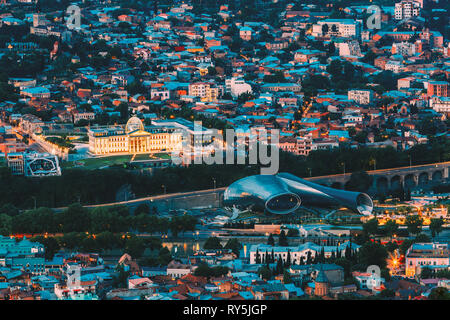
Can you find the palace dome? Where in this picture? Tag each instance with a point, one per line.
(133, 124)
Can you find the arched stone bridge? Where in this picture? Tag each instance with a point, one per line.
(411, 177)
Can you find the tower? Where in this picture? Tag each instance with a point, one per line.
(321, 283)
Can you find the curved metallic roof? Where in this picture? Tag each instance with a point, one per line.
(283, 193)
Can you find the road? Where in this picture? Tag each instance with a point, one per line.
(20, 134)
(171, 196)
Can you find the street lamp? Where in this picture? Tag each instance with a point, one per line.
(164, 187)
(374, 163)
(343, 163)
(215, 194)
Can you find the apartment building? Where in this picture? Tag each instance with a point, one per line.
(406, 9)
(207, 92)
(440, 104)
(437, 88)
(361, 96)
(345, 28)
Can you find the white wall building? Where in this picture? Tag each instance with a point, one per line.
(369, 281)
(360, 96)
(406, 9)
(237, 86)
(346, 28)
(349, 48)
(394, 66)
(440, 104)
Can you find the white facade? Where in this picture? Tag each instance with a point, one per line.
(360, 96)
(345, 28)
(405, 49)
(237, 86)
(440, 104)
(394, 66)
(406, 9)
(350, 48)
(369, 281)
(163, 93)
(83, 116)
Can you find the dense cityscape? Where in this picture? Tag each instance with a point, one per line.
(133, 161)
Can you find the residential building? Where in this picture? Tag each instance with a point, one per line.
(207, 92)
(420, 255)
(361, 96)
(406, 9)
(237, 86)
(437, 88)
(345, 28)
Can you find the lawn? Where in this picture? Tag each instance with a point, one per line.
(96, 163)
(161, 155)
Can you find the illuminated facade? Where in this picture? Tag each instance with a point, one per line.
(432, 255)
(134, 138)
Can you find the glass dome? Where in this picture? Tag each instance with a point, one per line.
(133, 124)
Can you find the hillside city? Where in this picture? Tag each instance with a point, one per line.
(111, 109)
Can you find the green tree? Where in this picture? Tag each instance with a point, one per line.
(164, 256)
(282, 240)
(257, 257)
(372, 253)
(120, 279)
(270, 240)
(135, 246)
(414, 224)
(287, 277)
(436, 226)
(106, 240)
(406, 244)
(371, 226)
(422, 237)
(105, 219)
(265, 273)
(75, 218)
(5, 224)
(346, 264)
(142, 208)
(359, 181)
(51, 245)
(426, 273)
(234, 245)
(391, 228)
(439, 293)
(72, 240)
(212, 243)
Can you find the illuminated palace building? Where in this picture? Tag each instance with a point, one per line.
(134, 138)
(161, 136)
